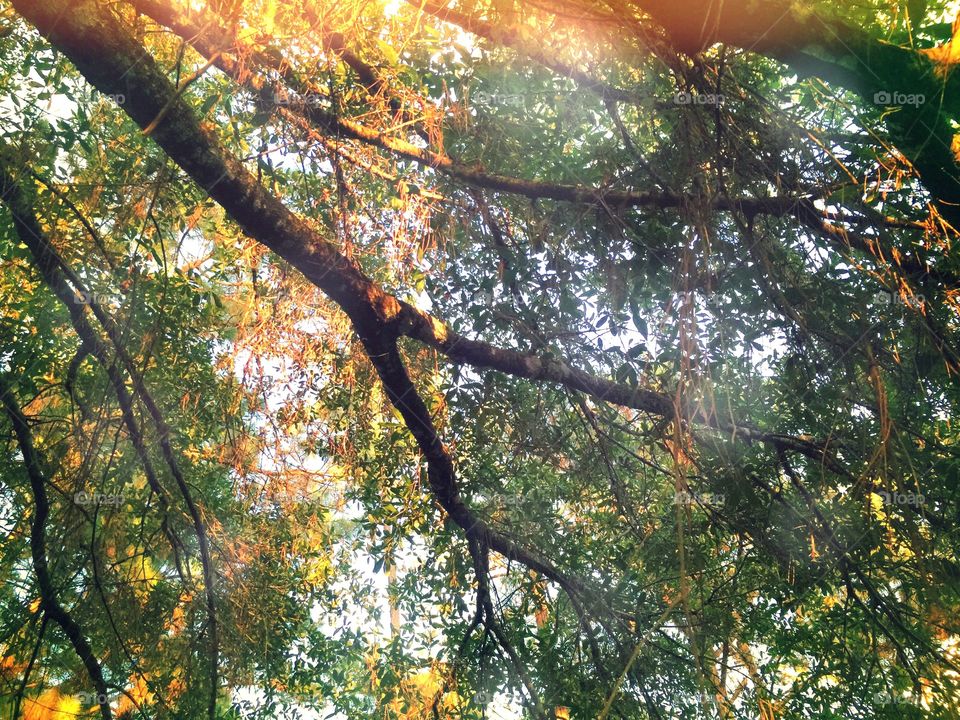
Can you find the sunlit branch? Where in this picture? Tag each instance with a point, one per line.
(208, 37)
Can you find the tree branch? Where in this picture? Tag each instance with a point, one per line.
(55, 274)
(38, 548)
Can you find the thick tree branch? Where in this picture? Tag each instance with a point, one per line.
(116, 64)
(113, 59)
(208, 37)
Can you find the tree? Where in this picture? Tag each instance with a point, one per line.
(396, 360)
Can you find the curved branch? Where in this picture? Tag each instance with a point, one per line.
(208, 37)
(55, 274)
(38, 548)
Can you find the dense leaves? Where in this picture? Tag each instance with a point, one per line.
(679, 306)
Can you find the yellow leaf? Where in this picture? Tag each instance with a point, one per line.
(51, 705)
(269, 16)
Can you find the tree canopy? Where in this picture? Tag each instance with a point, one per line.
(406, 360)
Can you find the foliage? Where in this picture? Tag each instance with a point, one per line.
(743, 244)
